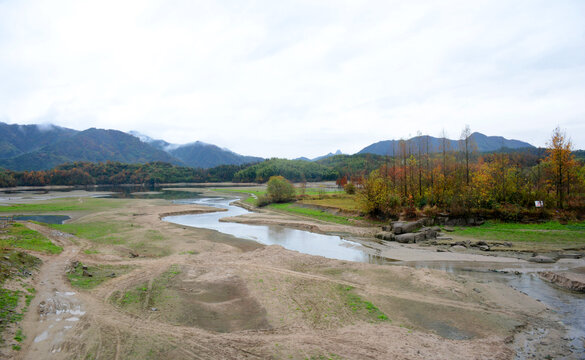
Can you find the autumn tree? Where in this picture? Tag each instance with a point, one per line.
(561, 161)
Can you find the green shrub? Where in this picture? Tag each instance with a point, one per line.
(280, 189)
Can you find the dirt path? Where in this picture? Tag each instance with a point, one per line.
(57, 308)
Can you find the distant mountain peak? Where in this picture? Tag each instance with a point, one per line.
(484, 144)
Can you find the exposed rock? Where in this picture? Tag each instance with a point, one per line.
(436, 228)
(387, 227)
(458, 248)
(571, 281)
(406, 227)
(484, 248)
(449, 228)
(420, 236)
(542, 259)
(385, 235)
(465, 243)
(408, 238)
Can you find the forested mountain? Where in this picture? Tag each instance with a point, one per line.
(199, 154)
(16, 139)
(39, 147)
(93, 145)
(481, 142)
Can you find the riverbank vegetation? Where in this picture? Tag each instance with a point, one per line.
(460, 182)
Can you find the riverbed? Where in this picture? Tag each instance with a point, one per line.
(520, 275)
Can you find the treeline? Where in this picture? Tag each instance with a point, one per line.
(87, 173)
(293, 170)
(461, 180)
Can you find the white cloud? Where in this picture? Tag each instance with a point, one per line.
(296, 78)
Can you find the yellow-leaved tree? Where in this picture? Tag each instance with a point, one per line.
(562, 163)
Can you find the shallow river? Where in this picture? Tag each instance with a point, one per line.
(522, 276)
(333, 247)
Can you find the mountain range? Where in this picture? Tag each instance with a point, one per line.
(426, 143)
(41, 147)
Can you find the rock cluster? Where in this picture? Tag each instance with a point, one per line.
(409, 232)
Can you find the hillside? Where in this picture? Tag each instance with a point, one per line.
(92, 145)
(482, 142)
(16, 139)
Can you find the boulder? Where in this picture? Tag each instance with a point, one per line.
(419, 236)
(484, 248)
(385, 235)
(408, 238)
(387, 227)
(458, 248)
(407, 227)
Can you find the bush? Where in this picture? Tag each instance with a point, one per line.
(263, 200)
(280, 189)
(349, 188)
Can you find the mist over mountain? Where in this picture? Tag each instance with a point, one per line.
(198, 153)
(16, 139)
(482, 143)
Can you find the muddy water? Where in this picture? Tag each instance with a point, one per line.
(333, 247)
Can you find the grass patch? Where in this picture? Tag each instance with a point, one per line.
(99, 274)
(550, 233)
(8, 302)
(312, 213)
(19, 336)
(99, 232)
(65, 204)
(19, 236)
(361, 306)
(15, 264)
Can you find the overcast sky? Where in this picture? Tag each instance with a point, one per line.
(296, 78)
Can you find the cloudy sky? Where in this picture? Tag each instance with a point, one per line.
(296, 78)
